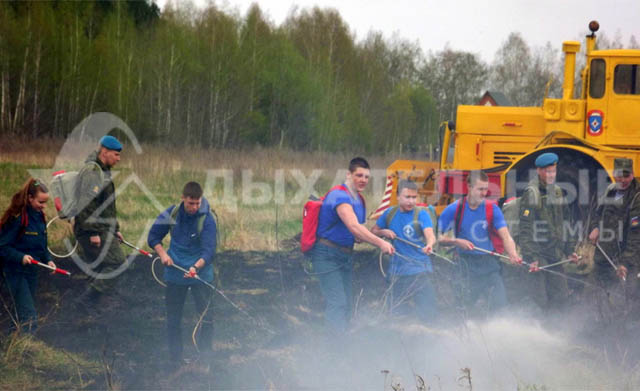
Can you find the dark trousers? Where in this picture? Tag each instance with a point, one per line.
(104, 261)
(334, 270)
(22, 290)
(415, 288)
(175, 296)
(552, 290)
(474, 284)
(618, 299)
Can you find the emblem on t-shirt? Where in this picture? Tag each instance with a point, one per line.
(408, 231)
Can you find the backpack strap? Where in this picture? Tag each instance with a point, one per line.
(416, 218)
(416, 212)
(201, 220)
(344, 188)
(390, 215)
(496, 240)
(457, 217)
(416, 222)
(537, 199)
(488, 211)
(94, 166)
(433, 216)
(173, 216)
(88, 166)
(364, 203)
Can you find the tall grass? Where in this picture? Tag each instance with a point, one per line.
(163, 170)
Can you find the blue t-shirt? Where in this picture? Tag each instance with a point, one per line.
(402, 225)
(330, 226)
(474, 226)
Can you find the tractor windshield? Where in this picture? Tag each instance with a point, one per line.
(626, 79)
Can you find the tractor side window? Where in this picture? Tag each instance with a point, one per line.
(597, 78)
(626, 79)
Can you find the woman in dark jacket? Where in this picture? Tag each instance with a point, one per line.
(23, 238)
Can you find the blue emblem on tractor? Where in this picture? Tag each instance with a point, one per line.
(594, 121)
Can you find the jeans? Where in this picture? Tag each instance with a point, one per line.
(175, 296)
(474, 285)
(22, 288)
(334, 270)
(417, 287)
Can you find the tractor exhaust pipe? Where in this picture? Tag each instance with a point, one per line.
(570, 48)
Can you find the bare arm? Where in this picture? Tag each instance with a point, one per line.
(451, 241)
(509, 245)
(383, 232)
(431, 240)
(359, 231)
(164, 257)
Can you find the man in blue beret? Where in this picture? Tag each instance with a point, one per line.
(96, 226)
(544, 235)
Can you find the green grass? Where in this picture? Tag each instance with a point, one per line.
(27, 363)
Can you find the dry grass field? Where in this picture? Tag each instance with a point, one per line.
(256, 193)
(281, 344)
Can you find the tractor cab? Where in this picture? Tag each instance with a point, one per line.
(613, 98)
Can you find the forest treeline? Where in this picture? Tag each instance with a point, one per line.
(214, 78)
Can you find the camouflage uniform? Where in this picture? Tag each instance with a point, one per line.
(618, 219)
(543, 237)
(96, 195)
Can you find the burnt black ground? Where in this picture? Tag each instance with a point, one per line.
(266, 350)
(129, 332)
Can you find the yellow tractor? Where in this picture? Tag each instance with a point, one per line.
(587, 132)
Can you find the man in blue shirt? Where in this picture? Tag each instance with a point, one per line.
(193, 247)
(410, 267)
(340, 224)
(479, 272)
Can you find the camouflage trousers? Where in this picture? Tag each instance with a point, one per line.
(551, 291)
(102, 262)
(618, 299)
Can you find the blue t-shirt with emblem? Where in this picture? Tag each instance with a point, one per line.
(402, 225)
(330, 226)
(474, 226)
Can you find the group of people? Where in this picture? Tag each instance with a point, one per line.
(473, 226)
(476, 229)
(23, 239)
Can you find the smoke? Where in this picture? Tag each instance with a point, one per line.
(514, 352)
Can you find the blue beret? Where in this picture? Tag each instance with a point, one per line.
(111, 142)
(546, 159)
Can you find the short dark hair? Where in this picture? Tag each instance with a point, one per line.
(192, 190)
(357, 162)
(406, 184)
(475, 176)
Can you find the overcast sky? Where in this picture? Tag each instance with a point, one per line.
(478, 26)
